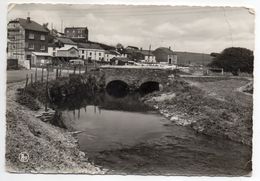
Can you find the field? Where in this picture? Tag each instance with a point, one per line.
(185, 58)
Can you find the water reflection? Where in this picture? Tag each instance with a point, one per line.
(101, 101)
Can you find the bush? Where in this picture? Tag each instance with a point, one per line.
(28, 101)
(234, 59)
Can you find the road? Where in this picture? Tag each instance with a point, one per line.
(17, 75)
(20, 75)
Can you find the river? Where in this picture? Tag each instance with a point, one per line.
(127, 137)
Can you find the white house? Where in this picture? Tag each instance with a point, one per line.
(91, 51)
(109, 54)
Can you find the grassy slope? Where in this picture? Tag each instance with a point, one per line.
(193, 58)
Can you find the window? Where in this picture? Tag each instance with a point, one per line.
(54, 54)
(28, 57)
(82, 56)
(54, 48)
(31, 46)
(42, 37)
(31, 36)
(42, 47)
(90, 53)
(99, 54)
(82, 51)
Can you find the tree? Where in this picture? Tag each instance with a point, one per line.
(234, 59)
(119, 47)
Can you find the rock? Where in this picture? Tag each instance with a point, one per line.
(82, 155)
(174, 118)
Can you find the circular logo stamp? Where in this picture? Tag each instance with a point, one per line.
(23, 157)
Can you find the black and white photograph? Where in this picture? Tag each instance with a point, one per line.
(116, 89)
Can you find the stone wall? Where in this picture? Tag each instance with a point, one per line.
(135, 77)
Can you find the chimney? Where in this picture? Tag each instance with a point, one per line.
(169, 48)
(28, 19)
(141, 48)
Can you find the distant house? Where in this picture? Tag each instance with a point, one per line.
(41, 58)
(91, 51)
(165, 55)
(77, 34)
(26, 36)
(131, 48)
(63, 49)
(147, 56)
(109, 54)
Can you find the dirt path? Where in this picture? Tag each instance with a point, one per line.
(50, 149)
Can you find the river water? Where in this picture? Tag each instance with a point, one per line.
(127, 137)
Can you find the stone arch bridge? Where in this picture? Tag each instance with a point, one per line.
(135, 76)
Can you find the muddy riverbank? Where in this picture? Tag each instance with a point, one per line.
(212, 107)
(51, 149)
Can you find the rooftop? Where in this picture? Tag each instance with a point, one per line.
(28, 24)
(90, 46)
(146, 52)
(165, 50)
(66, 40)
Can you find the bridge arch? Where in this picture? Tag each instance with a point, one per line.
(149, 86)
(117, 88)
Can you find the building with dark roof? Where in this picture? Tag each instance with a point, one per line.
(26, 36)
(77, 34)
(165, 55)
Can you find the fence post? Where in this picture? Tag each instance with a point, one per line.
(74, 69)
(46, 90)
(86, 69)
(26, 80)
(42, 75)
(35, 75)
(57, 72)
(60, 70)
(31, 78)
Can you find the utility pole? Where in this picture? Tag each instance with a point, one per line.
(61, 26)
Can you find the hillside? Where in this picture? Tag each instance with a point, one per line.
(193, 58)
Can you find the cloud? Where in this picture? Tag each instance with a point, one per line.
(199, 29)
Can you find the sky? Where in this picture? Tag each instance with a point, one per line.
(183, 28)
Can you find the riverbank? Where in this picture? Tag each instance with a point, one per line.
(51, 149)
(210, 106)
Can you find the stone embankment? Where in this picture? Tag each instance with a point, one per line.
(211, 108)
